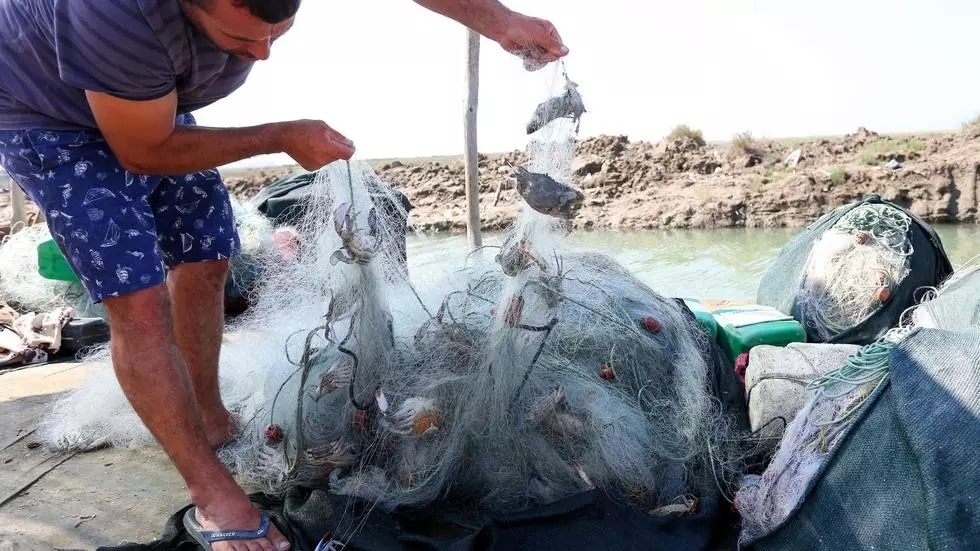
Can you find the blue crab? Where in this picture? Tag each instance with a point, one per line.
(359, 246)
(547, 195)
(568, 105)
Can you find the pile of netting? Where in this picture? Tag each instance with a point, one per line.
(850, 275)
(527, 373)
(841, 440)
(26, 290)
(23, 287)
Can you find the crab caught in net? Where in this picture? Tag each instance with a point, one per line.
(359, 245)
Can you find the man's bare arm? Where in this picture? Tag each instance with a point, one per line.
(145, 140)
(516, 33)
(486, 17)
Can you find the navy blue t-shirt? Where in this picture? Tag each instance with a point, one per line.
(51, 51)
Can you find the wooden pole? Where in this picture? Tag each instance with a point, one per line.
(470, 152)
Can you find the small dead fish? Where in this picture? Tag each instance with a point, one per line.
(568, 105)
(547, 195)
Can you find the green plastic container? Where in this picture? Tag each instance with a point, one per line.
(704, 316)
(743, 327)
(51, 264)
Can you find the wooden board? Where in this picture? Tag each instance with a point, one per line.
(80, 501)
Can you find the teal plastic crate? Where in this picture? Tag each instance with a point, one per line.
(703, 316)
(743, 327)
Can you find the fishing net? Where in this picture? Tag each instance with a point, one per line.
(23, 287)
(835, 441)
(527, 372)
(959, 305)
(849, 276)
(260, 241)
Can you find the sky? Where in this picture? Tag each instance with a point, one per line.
(389, 74)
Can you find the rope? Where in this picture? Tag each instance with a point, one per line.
(885, 224)
(869, 365)
(866, 365)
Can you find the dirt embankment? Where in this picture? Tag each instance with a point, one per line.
(685, 183)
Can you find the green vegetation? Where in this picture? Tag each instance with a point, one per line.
(869, 158)
(838, 176)
(744, 142)
(888, 147)
(685, 131)
(769, 172)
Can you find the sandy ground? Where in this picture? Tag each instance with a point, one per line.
(80, 501)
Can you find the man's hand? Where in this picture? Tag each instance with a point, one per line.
(536, 40)
(313, 144)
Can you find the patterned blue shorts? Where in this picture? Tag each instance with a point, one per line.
(119, 231)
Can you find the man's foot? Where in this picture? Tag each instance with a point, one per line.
(236, 515)
(219, 427)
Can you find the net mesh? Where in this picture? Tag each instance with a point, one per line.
(849, 277)
(23, 287)
(527, 372)
(834, 400)
(853, 268)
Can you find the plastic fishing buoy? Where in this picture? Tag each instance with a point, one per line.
(273, 433)
(607, 373)
(651, 324)
(862, 238)
(883, 294)
(742, 365)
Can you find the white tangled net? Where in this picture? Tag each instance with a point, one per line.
(854, 267)
(526, 373)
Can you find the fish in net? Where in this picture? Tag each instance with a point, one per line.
(524, 379)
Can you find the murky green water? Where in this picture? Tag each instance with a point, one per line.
(724, 263)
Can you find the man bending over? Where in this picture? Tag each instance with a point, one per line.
(96, 99)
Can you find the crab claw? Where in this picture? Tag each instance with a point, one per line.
(338, 453)
(343, 221)
(339, 256)
(416, 416)
(339, 375)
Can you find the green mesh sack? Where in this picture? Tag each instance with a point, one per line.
(902, 471)
(849, 276)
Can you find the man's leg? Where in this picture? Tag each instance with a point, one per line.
(102, 222)
(152, 373)
(197, 236)
(197, 306)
